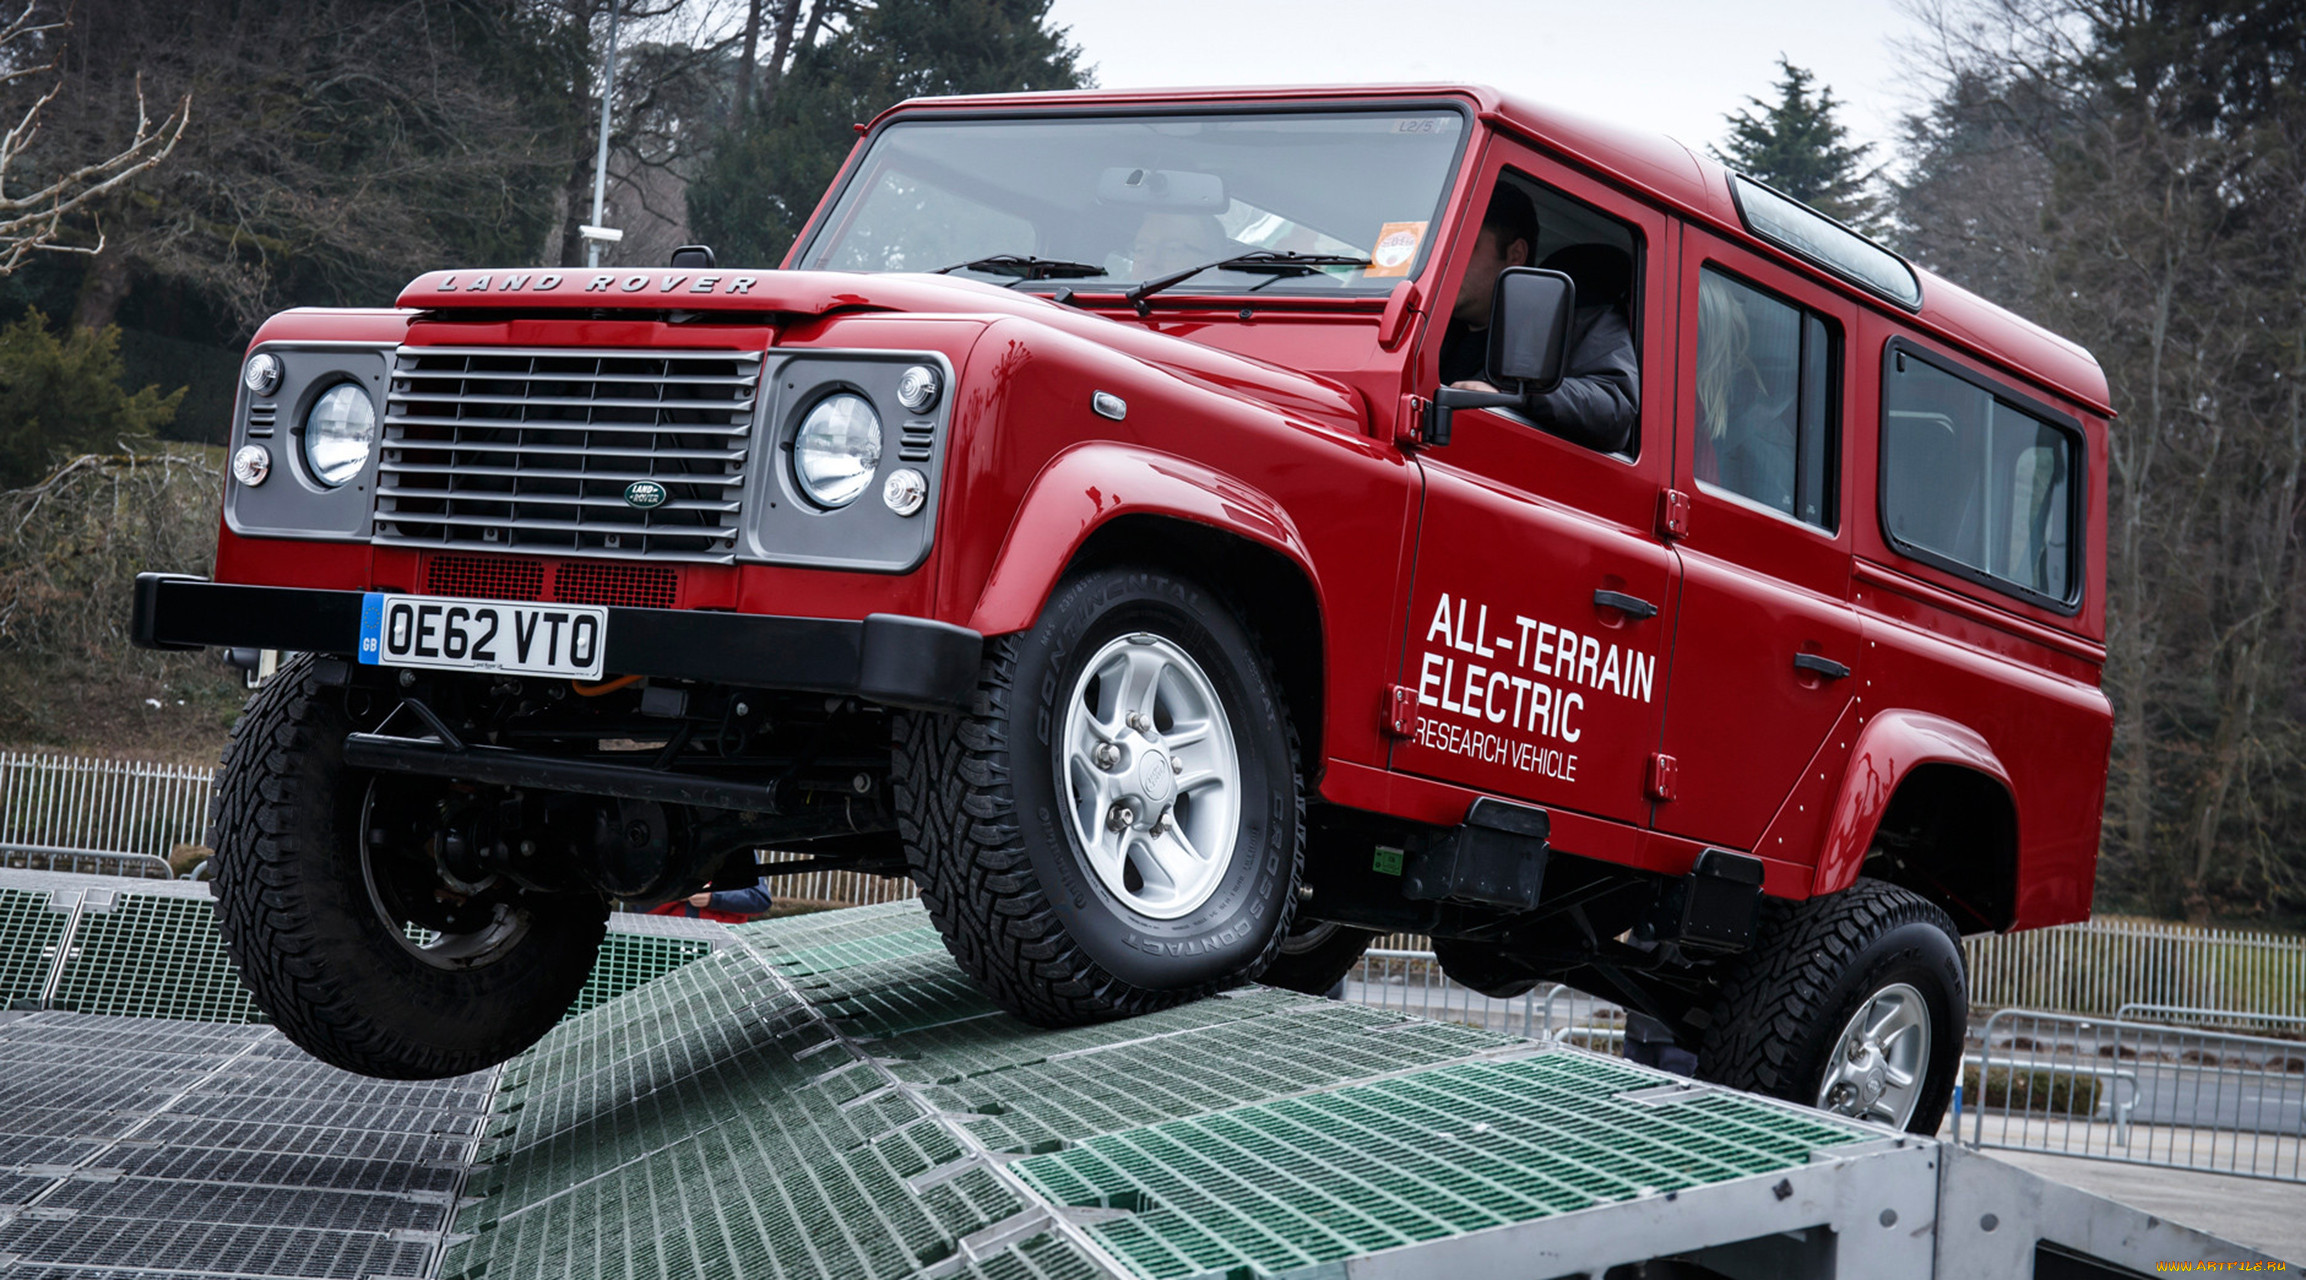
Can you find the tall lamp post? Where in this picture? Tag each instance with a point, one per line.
(595, 235)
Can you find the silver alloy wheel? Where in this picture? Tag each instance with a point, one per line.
(1151, 774)
(504, 930)
(1880, 1058)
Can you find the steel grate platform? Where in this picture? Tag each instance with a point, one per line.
(825, 1096)
(830, 1098)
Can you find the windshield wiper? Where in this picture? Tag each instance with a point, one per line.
(1026, 267)
(1274, 262)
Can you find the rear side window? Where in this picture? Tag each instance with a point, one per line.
(1766, 428)
(1979, 483)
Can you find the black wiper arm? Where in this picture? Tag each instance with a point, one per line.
(1273, 262)
(1026, 267)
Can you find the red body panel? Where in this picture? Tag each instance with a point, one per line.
(1281, 421)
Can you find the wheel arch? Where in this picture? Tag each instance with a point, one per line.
(1926, 804)
(1104, 504)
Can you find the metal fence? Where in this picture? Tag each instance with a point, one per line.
(2097, 967)
(831, 888)
(1411, 982)
(71, 804)
(2138, 1092)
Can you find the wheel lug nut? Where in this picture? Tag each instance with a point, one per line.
(1121, 817)
(1137, 721)
(1176, 766)
(1107, 755)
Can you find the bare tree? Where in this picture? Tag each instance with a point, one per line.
(34, 220)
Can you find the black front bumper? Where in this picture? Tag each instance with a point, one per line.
(901, 661)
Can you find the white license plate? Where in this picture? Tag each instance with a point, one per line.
(483, 635)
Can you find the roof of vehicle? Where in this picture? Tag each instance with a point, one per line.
(1650, 163)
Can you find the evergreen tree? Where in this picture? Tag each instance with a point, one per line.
(1798, 146)
(765, 176)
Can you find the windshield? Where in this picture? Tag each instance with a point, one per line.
(1114, 201)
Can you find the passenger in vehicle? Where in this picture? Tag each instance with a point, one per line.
(1598, 401)
(1745, 434)
(1169, 242)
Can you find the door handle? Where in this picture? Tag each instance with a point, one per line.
(1821, 664)
(1633, 607)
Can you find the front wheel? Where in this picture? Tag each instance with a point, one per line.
(1854, 1003)
(1116, 823)
(343, 923)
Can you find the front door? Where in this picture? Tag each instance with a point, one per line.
(1542, 600)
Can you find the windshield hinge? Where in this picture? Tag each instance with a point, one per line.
(1409, 423)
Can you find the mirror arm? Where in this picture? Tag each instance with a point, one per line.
(1447, 400)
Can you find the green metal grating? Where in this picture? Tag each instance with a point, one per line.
(1418, 1157)
(29, 928)
(153, 957)
(627, 960)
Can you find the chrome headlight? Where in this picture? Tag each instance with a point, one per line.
(339, 433)
(837, 450)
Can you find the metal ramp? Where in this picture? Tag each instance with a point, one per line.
(828, 1096)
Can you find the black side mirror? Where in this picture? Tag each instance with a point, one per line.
(694, 257)
(1529, 327)
(1528, 345)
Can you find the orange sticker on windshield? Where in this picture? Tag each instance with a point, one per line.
(1396, 248)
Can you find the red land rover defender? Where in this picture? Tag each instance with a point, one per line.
(1077, 523)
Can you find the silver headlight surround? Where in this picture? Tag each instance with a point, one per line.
(338, 433)
(836, 449)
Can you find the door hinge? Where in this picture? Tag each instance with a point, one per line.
(1664, 776)
(1673, 514)
(1400, 717)
(1409, 424)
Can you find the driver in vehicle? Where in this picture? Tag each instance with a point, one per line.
(1598, 401)
(1169, 242)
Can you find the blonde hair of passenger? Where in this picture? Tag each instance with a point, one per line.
(1725, 353)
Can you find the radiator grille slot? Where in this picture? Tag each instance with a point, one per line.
(261, 418)
(495, 578)
(536, 449)
(915, 440)
(628, 585)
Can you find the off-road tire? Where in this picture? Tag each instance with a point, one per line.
(1781, 1007)
(995, 861)
(296, 917)
(1316, 958)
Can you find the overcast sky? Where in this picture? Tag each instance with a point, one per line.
(1676, 66)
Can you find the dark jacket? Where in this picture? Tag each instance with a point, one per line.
(1598, 403)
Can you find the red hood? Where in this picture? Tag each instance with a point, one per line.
(793, 297)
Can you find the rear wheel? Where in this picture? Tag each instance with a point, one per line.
(1854, 1003)
(343, 921)
(1115, 824)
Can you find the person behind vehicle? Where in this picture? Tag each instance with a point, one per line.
(1598, 401)
(729, 906)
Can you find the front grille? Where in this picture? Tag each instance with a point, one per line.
(535, 449)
